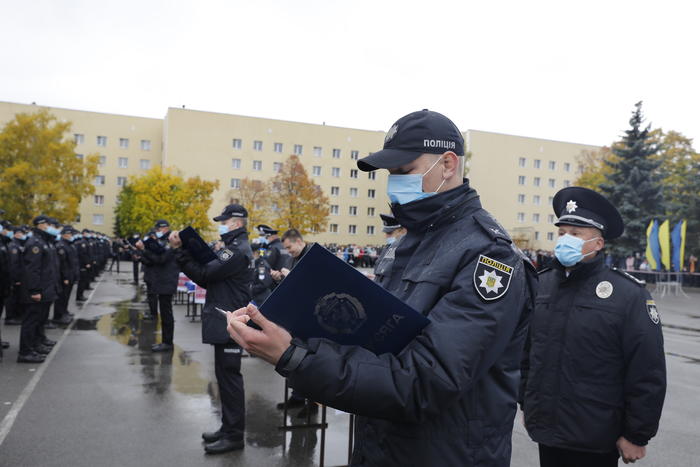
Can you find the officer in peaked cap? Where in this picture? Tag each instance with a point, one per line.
(276, 256)
(393, 231)
(266, 230)
(601, 329)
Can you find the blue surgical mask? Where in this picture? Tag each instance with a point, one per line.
(159, 234)
(30, 234)
(223, 229)
(390, 240)
(569, 249)
(51, 230)
(58, 236)
(23, 237)
(403, 189)
(9, 234)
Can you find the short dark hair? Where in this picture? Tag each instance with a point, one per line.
(292, 235)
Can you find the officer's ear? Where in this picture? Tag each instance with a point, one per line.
(451, 163)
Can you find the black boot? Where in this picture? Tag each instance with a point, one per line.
(224, 445)
(212, 436)
(30, 358)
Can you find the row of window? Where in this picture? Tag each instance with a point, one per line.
(352, 229)
(315, 170)
(535, 218)
(79, 138)
(122, 162)
(537, 163)
(352, 210)
(335, 190)
(537, 181)
(535, 199)
(100, 180)
(298, 149)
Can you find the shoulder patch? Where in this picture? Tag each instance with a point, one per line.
(629, 276)
(492, 228)
(225, 254)
(653, 312)
(491, 278)
(35, 250)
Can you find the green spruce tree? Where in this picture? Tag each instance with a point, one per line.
(634, 184)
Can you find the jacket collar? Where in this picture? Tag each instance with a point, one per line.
(582, 270)
(438, 209)
(230, 236)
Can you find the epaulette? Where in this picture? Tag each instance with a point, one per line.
(629, 276)
(492, 228)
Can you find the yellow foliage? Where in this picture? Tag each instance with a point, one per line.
(592, 168)
(254, 195)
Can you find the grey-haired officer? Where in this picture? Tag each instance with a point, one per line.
(227, 279)
(594, 375)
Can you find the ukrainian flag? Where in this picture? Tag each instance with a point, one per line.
(665, 244)
(678, 241)
(653, 255)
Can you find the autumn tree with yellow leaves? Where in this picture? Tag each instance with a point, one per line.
(254, 195)
(163, 194)
(39, 170)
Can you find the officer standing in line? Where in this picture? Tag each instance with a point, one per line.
(261, 287)
(277, 256)
(594, 378)
(227, 280)
(69, 273)
(163, 284)
(55, 229)
(14, 304)
(84, 260)
(5, 278)
(39, 290)
(449, 397)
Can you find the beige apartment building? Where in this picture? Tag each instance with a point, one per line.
(516, 176)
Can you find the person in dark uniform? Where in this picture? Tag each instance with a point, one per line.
(261, 288)
(227, 280)
(39, 290)
(449, 397)
(393, 231)
(164, 273)
(277, 256)
(85, 262)
(14, 303)
(594, 374)
(6, 234)
(135, 256)
(146, 268)
(69, 270)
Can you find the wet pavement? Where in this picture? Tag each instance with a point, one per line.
(104, 399)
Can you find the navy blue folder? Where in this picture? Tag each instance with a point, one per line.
(325, 297)
(198, 248)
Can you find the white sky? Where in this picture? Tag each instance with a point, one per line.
(561, 70)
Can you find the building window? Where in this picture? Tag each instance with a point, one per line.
(536, 200)
(567, 183)
(536, 218)
(521, 217)
(353, 192)
(521, 162)
(567, 167)
(79, 156)
(257, 165)
(102, 141)
(550, 200)
(521, 199)
(336, 153)
(334, 209)
(316, 170)
(278, 147)
(550, 218)
(318, 151)
(354, 155)
(123, 162)
(276, 167)
(333, 228)
(552, 182)
(521, 179)
(352, 211)
(124, 143)
(235, 183)
(537, 235)
(237, 143)
(236, 163)
(79, 138)
(121, 181)
(537, 163)
(536, 181)
(353, 173)
(372, 175)
(99, 180)
(370, 230)
(98, 219)
(257, 145)
(552, 165)
(352, 229)
(335, 171)
(298, 149)
(145, 164)
(99, 200)
(370, 193)
(145, 144)
(335, 190)
(370, 212)
(102, 160)
(550, 236)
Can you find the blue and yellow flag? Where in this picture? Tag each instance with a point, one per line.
(678, 241)
(665, 244)
(653, 254)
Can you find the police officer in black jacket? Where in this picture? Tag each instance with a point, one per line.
(261, 288)
(594, 377)
(14, 304)
(164, 273)
(82, 246)
(227, 280)
(69, 270)
(39, 290)
(5, 278)
(276, 255)
(449, 397)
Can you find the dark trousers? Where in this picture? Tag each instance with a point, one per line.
(167, 322)
(227, 366)
(33, 320)
(14, 305)
(83, 282)
(135, 266)
(558, 457)
(115, 259)
(60, 307)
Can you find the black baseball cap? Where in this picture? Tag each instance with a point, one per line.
(414, 134)
(232, 210)
(41, 219)
(161, 223)
(582, 207)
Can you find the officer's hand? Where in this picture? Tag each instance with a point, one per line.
(630, 452)
(87, 266)
(174, 239)
(276, 275)
(285, 272)
(36, 297)
(268, 344)
(65, 282)
(17, 284)
(139, 245)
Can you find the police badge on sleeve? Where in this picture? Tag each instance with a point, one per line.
(491, 278)
(653, 312)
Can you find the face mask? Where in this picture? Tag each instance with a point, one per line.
(159, 234)
(403, 189)
(77, 237)
(30, 234)
(569, 249)
(58, 236)
(23, 237)
(9, 234)
(390, 240)
(223, 229)
(51, 230)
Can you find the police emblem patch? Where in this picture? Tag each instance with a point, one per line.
(35, 250)
(225, 254)
(340, 313)
(653, 312)
(604, 289)
(491, 278)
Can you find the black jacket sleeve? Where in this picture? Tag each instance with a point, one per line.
(214, 271)
(645, 375)
(15, 261)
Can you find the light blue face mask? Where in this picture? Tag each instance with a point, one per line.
(9, 233)
(569, 249)
(223, 229)
(159, 234)
(403, 189)
(390, 240)
(51, 230)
